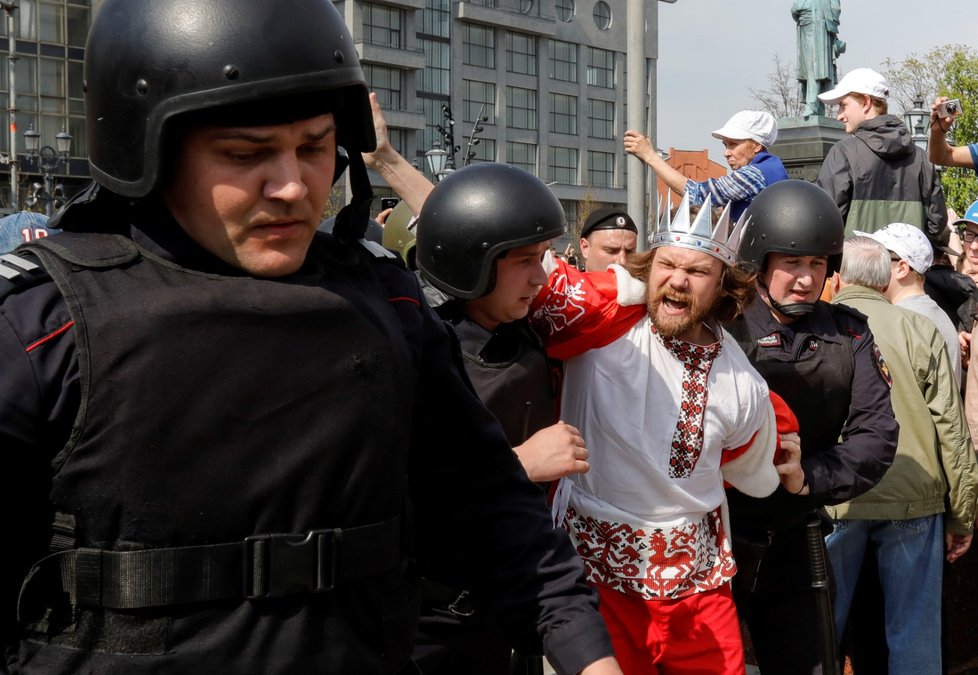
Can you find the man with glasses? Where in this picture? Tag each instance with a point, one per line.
(967, 227)
(746, 138)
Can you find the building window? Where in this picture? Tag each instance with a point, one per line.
(477, 94)
(601, 169)
(479, 46)
(600, 68)
(522, 52)
(435, 77)
(386, 82)
(523, 155)
(524, 6)
(602, 15)
(563, 61)
(565, 10)
(521, 108)
(484, 151)
(435, 19)
(563, 114)
(397, 139)
(562, 164)
(382, 25)
(601, 119)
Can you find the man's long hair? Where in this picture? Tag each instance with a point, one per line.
(736, 285)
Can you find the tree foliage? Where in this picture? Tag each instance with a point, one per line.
(782, 98)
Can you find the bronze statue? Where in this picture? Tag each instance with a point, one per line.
(818, 48)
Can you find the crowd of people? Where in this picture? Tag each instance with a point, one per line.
(240, 439)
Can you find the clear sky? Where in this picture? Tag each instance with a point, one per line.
(712, 52)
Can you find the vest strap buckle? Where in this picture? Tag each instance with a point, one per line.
(282, 564)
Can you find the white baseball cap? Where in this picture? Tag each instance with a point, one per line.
(907, 241)
(858, 81)
(756, 125)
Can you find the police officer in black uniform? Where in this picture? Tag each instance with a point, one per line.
(196, 476)
(823, 361)
(482, 235)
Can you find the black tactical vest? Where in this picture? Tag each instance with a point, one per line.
(518, 388)
(814, 377)
(215, 408)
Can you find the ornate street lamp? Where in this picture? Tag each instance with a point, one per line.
(47, 159)
(917, 120)
(436, 159)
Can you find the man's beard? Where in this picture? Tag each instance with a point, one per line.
(675, 326)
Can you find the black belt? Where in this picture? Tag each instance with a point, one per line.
(261, 566)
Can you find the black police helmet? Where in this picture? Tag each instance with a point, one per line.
(476, 214)
(794, 217)
(247, 61)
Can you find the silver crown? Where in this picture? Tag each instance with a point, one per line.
(721, 242)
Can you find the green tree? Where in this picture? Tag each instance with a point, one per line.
(960, 80)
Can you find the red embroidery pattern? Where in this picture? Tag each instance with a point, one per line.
(656, 563)
(687, 441)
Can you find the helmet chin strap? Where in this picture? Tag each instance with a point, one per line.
(351, 221)
(793, 309)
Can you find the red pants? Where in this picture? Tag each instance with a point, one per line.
(696, 635)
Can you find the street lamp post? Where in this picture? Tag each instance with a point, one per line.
(917, 119)
(441, 159)
(9, 8)
(47, 159)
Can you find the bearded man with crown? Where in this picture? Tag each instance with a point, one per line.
(671, 411)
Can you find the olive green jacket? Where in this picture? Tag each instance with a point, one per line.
(935, 459)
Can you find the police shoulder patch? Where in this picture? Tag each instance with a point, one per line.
(881, 366)
(772, 340)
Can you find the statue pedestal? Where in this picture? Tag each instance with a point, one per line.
(803, 143)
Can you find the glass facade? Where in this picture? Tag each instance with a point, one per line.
(476, 95)
(562, 165)
(521, 108)
(563, 61)
(600, 68)
(386, 82)
(601, 119)
(601, 169)
(523, 155)
(479, 46)
(521, 52)
(382, 25)
(563, 114)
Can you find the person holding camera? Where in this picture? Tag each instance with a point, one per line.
(943, 112)
(746, 138)
(877, 175)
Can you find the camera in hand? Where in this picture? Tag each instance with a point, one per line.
(949, 108)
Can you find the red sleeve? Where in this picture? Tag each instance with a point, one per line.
(577, 311)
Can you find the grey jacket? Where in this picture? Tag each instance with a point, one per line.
(878, 176)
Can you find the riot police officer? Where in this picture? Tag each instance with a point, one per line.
(823, 361)
(482, 236)
(198, 477)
